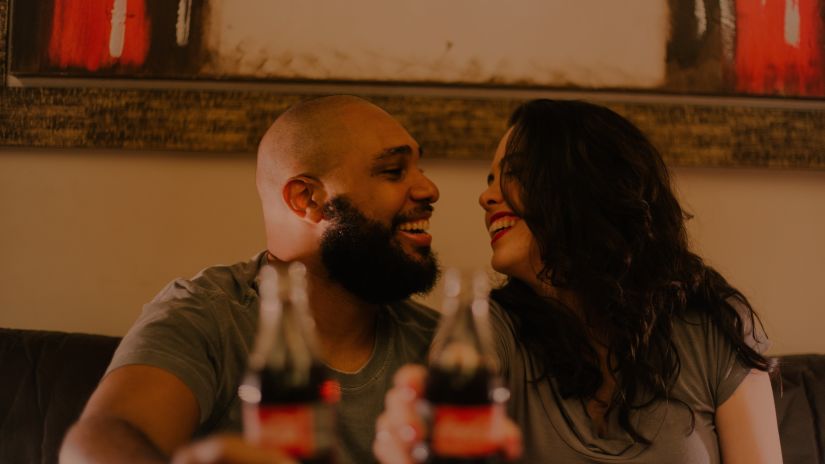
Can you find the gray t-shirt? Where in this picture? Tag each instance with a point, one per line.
(202, 329)
(559, 429)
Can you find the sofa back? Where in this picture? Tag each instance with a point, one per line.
(47, 377)
(799, 394)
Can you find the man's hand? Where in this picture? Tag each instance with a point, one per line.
(400, 427)
(227, 449)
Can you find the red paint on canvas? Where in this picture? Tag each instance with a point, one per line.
(81, 32)
(765, 62)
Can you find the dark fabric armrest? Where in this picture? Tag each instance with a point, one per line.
(799, 394)
(45, 380)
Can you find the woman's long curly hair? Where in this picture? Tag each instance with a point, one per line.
(597, 197)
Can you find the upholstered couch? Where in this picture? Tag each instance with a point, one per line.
(46, 377)
(45, 380)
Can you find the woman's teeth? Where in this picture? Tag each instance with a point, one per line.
(415, 226)
(503, 223)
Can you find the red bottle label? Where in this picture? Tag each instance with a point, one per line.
(299, 430)
(287, 428)
(463, 431)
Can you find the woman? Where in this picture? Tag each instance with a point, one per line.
(617, 342)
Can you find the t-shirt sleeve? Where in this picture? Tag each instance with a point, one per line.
(730, 370)
(176, 332)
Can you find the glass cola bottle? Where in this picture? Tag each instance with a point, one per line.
(462, 381)
(287, 399)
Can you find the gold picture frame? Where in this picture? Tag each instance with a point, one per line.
(451, 122)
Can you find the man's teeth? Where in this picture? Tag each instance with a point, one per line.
(418, 226)
(503, 223)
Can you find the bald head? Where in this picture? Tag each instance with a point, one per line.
(308, 138)
(314, 151)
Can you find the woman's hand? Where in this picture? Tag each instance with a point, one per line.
(400, 429)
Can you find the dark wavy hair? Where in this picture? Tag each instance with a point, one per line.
(597, 197)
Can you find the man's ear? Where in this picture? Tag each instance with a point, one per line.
(305, 197)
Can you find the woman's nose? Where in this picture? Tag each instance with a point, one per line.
(489, 197)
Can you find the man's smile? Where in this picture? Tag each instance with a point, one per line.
(415, 232)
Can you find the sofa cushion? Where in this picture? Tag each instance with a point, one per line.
(47, 377)
(45, 380)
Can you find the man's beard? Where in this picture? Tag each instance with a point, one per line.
(364, 256)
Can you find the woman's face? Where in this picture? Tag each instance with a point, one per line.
(515, 252)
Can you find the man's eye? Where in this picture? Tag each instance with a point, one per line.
(394, 173)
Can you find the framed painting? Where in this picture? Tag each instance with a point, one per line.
(714, 82)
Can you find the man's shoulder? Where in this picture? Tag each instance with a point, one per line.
(233, 281)
(198, 329)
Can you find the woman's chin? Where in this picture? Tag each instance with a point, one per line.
(502, 267)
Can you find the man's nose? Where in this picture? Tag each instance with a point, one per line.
(424, 189)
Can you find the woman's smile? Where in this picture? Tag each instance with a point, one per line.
(500, 223)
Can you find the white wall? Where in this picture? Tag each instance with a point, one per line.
(88, 237)
(765, 231)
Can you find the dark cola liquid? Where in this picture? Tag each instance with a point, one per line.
(451, 386)
(302, 397)
(452, 393)
(283, 386)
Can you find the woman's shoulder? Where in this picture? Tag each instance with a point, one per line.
(703, 326)
(499, 318)
(503, 334)
(710, 367)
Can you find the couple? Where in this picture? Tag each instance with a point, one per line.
(615, 340)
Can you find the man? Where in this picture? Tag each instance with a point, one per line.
(342, 193)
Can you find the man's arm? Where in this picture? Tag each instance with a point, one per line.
(138, 413)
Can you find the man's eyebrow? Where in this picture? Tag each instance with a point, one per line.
(394, 151)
